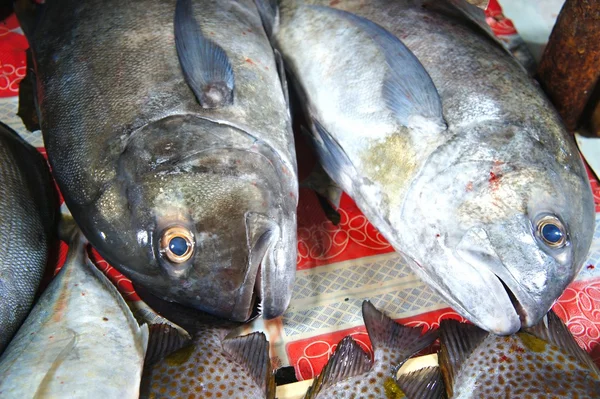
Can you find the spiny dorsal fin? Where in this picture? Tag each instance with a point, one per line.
(384, 333)
(552, 329)
(349, 360)
(205, 65)
(252, 352)
(164, 340)
(408, 89)
(425, 383)
(457, 341)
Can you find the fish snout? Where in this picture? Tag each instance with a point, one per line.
(526, 280)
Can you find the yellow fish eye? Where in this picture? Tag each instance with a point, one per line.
(177, 244)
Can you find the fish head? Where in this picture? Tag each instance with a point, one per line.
(501, 240)
(197, 216)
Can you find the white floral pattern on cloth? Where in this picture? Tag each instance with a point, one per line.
(579, 307)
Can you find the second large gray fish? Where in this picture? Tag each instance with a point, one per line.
(446, 145)
(169, 136)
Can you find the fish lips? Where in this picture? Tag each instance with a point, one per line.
(525, 288)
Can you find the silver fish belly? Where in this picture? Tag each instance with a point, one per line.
(446, 145)
(79, 341)
(192, 195)
(28, 210)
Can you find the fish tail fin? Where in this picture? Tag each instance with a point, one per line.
(348, 361)
(252, 352)
(425, 383)
(457, 340)
(205, 65)
(387, 335)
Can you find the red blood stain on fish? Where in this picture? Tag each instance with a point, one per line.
(83, 294)
(590, 267)
(470, 186)
(249, 61)
(503, 358)
(494, 181)
(438, 235)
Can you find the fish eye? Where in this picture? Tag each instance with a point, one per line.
(551, 231)
(177, 244)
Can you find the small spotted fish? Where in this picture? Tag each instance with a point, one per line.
(212, 365)
(351, 373)
(544, 361)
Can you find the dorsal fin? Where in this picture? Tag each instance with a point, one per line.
(457, 341)
(349, 360)
(252, 352)
(552, 329)
(425, 383)
(163, 340)
(408, 89)
(384, 332)
(205, 65)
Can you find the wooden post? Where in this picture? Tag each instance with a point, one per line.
(570, 67)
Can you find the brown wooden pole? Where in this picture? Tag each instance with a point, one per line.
(570, 66)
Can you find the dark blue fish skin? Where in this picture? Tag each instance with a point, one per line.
(28, 209)
(137, 156)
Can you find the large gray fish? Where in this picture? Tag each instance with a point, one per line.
(170, 138)
(446, 145)
(28, 209)
(79, 341)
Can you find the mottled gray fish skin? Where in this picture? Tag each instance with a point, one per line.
(215, 365)
(462, 189)
(136, 156)
(28, 209)
(79, 341)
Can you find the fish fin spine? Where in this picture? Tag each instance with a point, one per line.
(252, 352)
(385, 333)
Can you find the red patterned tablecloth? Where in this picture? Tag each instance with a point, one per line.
(338, 266)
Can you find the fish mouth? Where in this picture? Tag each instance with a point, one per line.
(513, 306)
(249, 303)
(519, 308)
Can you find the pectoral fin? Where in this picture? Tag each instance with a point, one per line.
(205, 65)
(408, 89)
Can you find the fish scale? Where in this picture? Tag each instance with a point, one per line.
(28, 207)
